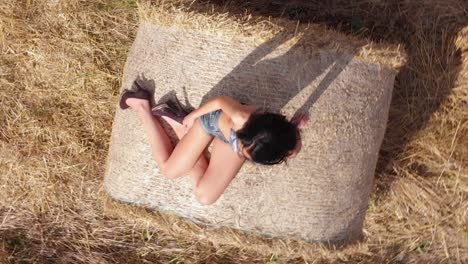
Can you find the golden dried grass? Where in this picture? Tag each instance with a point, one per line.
(60, 69)
(236, 23)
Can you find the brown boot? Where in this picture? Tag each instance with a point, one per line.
(139, 93)
(170, 109)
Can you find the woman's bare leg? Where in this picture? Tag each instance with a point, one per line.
(223, 167)
(199, 169)
(172, 162)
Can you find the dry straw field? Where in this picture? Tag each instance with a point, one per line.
(60, 70)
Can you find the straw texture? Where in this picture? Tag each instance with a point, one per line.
(322, 194)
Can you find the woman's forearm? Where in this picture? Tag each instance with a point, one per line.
(209, 106)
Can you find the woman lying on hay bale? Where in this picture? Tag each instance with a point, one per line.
(239, 132)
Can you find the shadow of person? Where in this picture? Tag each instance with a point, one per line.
(272, 74)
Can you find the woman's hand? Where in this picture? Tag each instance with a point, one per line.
(300, 121)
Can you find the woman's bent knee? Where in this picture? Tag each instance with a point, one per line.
(170, 173)
(203, 198)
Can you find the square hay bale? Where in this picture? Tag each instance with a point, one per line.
(345, 84)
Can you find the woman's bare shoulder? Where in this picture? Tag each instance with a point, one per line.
(240, 117)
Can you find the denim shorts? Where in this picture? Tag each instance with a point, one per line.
(209, 122)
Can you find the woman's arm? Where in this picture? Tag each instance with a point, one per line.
(228, 105)
(225, 103)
